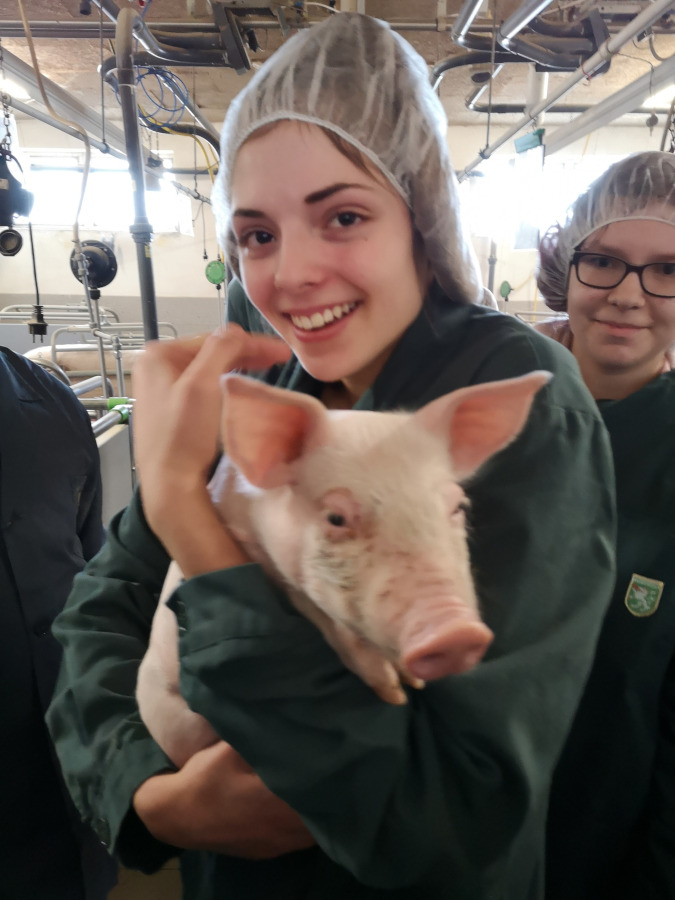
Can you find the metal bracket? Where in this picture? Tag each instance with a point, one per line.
(230, 38)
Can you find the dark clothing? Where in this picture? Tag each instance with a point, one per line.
(441, 799)
(612, 818)
(50, 524)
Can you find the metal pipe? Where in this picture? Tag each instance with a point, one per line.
(464, 20)
(607, 110)
(606, 50)
(34, 113)
(141, 229)
(521, 17)
(89, 30)
(63, 103)
(474, 58)
(119, 414)
(89, 384)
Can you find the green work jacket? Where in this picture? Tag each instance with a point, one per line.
(612, 820)
(444, 798)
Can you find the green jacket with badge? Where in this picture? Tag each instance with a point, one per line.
(442, 798)
(612, 820)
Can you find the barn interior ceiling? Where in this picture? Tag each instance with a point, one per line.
(463, 41)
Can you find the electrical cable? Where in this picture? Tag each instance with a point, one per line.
(100, 49)
(166, 81)
(653, 51)
(32, 255)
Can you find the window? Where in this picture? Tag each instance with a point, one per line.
(55, 179)
(508, 200)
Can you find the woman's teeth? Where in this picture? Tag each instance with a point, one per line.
(321, 319)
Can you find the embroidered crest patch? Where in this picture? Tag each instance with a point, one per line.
(643, 595)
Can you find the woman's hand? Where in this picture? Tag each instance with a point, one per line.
(176, 423)
(216, 802)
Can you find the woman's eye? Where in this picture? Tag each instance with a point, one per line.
(256, 238)
(345, 219)
(600, 262)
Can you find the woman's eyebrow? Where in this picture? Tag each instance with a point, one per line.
(314, 197)
(247, 214)
(324, 193)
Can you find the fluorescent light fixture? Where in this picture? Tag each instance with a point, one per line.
(13, 89)
(662, 98)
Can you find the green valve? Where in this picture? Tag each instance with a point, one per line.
(116, 401)
(215, 271)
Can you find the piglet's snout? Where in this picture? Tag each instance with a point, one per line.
(446, 638)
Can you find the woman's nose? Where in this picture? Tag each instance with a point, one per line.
(299, 262)
(628, 293)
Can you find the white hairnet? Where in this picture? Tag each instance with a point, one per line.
(641, 186)
(353, 76)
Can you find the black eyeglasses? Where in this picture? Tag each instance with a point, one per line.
(598, 270)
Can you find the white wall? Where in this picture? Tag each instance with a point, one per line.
(518, 266)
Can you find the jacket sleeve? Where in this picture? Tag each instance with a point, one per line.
(90, 506)
(455, 781)
(104, 749)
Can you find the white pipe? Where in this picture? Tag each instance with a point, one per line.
(464, 19)
(606, 50)
(519, 19)
(63, 103)
(625, 100)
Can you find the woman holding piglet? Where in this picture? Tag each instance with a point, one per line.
(340, 212)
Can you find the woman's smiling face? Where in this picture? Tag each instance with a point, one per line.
(326, 252)
(623, 330)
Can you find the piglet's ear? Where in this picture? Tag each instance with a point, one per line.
(480, 420)
(265, 429)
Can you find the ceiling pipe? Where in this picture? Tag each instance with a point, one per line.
(473, 58)
(63, 103)
(562, 53)
(606, 50)
(464, 20)
(624, 100)
(202, 47)
(141, 229)
(91, 30)
(30, 110)
(568, 109)
(518, 20)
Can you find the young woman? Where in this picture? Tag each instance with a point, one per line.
(611, 269)
(339, 209)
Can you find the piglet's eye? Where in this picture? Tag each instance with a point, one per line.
(462, 507)
(336, 519)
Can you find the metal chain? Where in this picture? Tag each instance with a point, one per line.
(6, 143)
